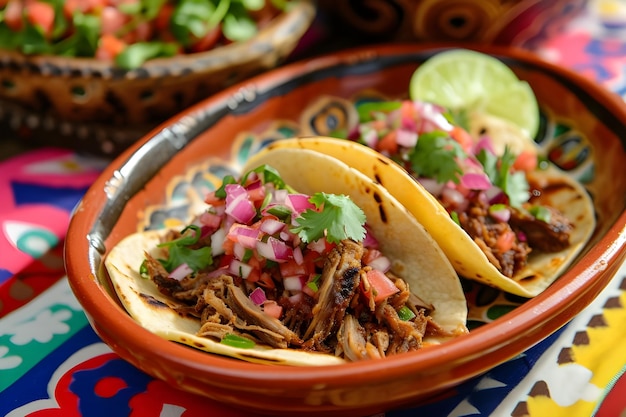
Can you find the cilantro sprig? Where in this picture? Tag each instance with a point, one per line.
(337, 218)
(512, 183)
(181, 251)
(435, 156)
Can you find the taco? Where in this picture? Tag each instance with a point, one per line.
(518, 235)
(302, 261)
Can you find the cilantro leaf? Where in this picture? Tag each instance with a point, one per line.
(337, 218)
(513, 184)
(268, 174)
(180, 251)
(135, 55)
(435, 156)
(366, 110)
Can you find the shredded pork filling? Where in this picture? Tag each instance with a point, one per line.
(528, 232)
(341, 321)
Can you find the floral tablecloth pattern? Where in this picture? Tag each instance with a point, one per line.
(53, 364)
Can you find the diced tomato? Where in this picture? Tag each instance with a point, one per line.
(311, 260)
(225, 261)
(271, 308)
(256, 194)
(505, 241)
(228, 246)
(388, 143)
(463, 137)
(407, 110)
(208, 41)
(213, 200)
(112, 21)
(163, 18)
(381, 286)
(266, 280)
(109, 47)
(142, 33)
(254, 275)
(13, 15)
(83, 6)
(41, 15)
(292, 269)
(526, 161)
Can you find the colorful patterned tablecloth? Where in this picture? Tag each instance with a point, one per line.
(53, 364)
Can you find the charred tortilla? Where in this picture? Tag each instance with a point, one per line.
(414, 254)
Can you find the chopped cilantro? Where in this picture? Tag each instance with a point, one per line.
(143, 270)
(237, 341)
(337, 218)
(367, 110)
(406, 314)
(435, 156)
(314, 283)
(540, 213)
(221, 192)
(455, 217)
(267, 174)
(180, 252)
(513, 184)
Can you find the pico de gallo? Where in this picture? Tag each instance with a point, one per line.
(261, 247)
(129, 32)
(486, 192)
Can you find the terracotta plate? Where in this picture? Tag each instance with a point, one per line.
(154, 183)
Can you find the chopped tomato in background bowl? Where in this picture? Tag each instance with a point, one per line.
(97, 74)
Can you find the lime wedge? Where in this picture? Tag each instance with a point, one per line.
(469, 81)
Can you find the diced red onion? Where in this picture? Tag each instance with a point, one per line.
(279, 196)
(298, 202)
(180, 272)
(521, 236)
(239, 268)
(245, 235)
(233, 191)
(318, 246)
(297, 255)
(274, 250)
(370, 240)
(381, 263)
(292, 283)
(431, 118)
(406, 138)
(475, 181)
(241, 209)
(211, 220)
(495, 195)
(271, 226)
(453, 199)
(431, 185)
(239, 251)
(296, 298)
(483, 143)
(257, 296)
(369, 137)
(287, 236)
(353, 134)
(502, 215)
(217, 241)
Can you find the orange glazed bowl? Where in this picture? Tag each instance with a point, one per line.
(583, 131)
